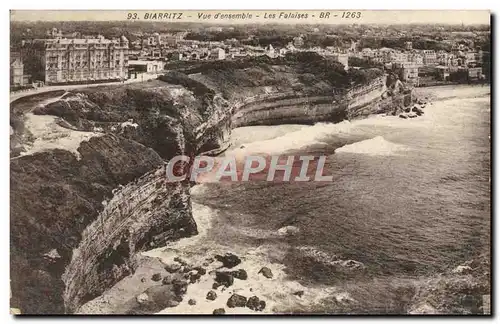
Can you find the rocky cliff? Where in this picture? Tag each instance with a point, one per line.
(77, 221)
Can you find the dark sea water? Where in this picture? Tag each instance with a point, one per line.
(409, 199)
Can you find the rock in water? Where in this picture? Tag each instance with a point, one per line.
(156, 277)
(266, 272)
(288, 230)
(254, 303)
(462, 270)
(228, 260)
(240, 274)
(192, 302)
(211, 295)
(174, 267)
(224, 278)
(299, 293)
(219, 311)
(352, 264)
(236, 301)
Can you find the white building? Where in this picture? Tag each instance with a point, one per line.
(141, 66)
(218, 54)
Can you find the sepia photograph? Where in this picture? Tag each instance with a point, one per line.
(250, 162)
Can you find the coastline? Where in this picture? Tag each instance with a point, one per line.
(254, 259)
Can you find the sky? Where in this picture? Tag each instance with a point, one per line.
(366, 17)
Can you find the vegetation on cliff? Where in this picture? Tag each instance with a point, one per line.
(160, 112)
(305, 73)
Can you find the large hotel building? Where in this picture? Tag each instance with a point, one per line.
(61, 60)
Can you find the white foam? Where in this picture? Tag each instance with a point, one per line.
(305, 136)
(374, 146)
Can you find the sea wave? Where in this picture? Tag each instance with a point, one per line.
(374, 146)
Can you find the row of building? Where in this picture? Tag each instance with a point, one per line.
(79, 60)
(63, 59)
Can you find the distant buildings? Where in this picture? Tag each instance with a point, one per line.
(443, 73)
(218, 54)
(141, 66)
(407, 72)
(429, 57)
(475, 74)
(59, 60)
(17, 76)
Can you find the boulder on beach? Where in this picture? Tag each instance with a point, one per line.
(228, 260)
(173, 267)
(179, 260)
(240, 274)
(236, 301)
(403, 116)
(254, 303)
(211, 295)
(407, 110)
(153, 300)
(192, 302)
(418, 111)
(180, 287)
(224, 278)
(266, 272)
(167, 280)
(156, 277)
(412, 115)
(193, 276)
(219, 311)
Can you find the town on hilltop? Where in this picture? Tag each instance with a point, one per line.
(454, 54)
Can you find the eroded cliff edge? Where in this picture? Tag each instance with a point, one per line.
(79, 220)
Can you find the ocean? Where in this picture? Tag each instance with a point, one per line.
(410, 198)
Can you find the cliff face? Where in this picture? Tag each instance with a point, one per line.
(144, 214)
(54, 197)
(79, 219)
(77, 224)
